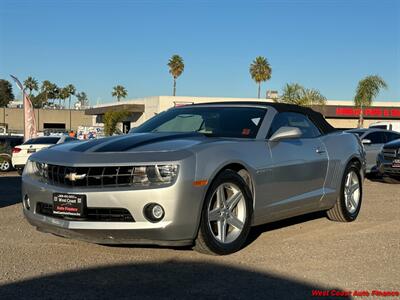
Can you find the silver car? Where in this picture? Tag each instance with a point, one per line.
(373, 140)
(197, 175)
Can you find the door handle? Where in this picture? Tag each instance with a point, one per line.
(320, 151)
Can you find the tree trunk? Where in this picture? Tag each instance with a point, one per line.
(174, 91)
(69, 108)
(361, 117)
(259, 90)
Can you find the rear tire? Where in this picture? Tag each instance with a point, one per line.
(348, 204)
(226, 215)
(5, 166)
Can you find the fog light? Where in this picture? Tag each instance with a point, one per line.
(27, 202)
(154, 212)
(157, 212)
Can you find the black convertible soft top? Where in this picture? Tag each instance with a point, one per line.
(317, 118)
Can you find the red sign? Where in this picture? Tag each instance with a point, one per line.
(368, 112)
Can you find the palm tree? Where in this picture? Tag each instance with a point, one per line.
(260, 71)
(71, 91)
(82, 99)
(294, 93)
(31, 84)
(176, 67)
(120, 92)
(291, 93)
(367, 89)
(312, 97)
(50, 90)
(64, 94)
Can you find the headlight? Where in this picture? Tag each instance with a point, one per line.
(34, 168)
(154, 175)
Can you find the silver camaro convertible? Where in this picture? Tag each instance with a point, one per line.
(197, 175)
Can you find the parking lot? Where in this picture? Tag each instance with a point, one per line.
(284, 259)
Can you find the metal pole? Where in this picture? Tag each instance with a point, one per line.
(23, 110)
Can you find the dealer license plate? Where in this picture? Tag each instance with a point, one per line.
(396, 163)
(69, 204)
(31, 150)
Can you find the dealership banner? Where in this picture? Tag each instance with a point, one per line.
(29, 114)
(352, 112)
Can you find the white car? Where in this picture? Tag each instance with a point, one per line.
(21, 153)
(388, 125)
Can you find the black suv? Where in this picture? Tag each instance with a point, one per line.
(7, 142)
(388, 161)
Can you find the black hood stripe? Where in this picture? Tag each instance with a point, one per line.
(130, 141)
(85, 146)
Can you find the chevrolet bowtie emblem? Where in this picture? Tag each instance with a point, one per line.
(74, 176)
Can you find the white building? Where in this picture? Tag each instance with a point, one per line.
(341, 114)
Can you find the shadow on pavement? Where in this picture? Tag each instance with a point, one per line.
(176, 280)
(255, 232)
(382, 179)
(10, 190)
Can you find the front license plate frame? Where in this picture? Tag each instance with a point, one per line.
(65, 204)
(396, 163)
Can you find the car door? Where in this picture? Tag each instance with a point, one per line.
(373, 143)
(299, 166)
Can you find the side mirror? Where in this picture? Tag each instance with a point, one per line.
(286, 133)
(366, 142)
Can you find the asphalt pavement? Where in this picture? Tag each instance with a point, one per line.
(286, 259)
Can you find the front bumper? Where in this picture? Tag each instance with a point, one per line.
(385, 166)
(182, 203)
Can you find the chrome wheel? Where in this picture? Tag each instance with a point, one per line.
(4, 166)
(352, 192)
(226, 213)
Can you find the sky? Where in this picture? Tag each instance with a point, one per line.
(324, 44)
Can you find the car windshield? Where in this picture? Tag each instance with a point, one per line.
(237, 122)
(378, 126)
(42, 140)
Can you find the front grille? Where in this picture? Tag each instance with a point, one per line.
(92, 214)
(390, 154)
(90, 176)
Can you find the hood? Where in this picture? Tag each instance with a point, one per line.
(392, 145)
(139, 142)
(140, 147)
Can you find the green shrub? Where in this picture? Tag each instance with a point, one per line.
(111, 119)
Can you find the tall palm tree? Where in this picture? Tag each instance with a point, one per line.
(176, 67)
(50, 90)
(367, 90)
(64, 94)
(31, 84)
(71, 91)
(260, 71)
(120, 92)
(83, 99)
(294, 93)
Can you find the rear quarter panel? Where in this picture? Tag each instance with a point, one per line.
(342, 147)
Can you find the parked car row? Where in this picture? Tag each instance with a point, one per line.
(374, 140)
(14, 153)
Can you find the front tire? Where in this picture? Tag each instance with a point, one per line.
(226, 215)
(348, 204)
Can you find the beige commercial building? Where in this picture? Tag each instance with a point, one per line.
(12, 119)
(340, 114)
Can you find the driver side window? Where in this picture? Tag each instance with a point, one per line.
(292, 119)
